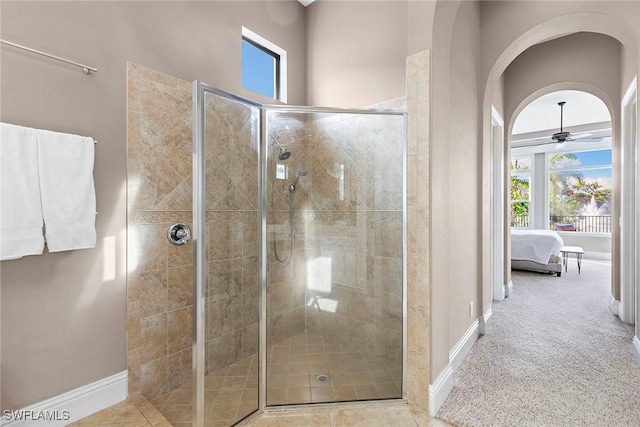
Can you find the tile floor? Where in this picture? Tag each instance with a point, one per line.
(128, 414)
(231, 393)
(294, 367)
(136, 411)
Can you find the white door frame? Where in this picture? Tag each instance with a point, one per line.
(497, 206)
(629, 224)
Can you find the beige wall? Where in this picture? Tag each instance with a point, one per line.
(511, 27)
(356, 52)
(67, 310)
(536, 69)
(464, 169)
(109, 34)
(455, 258)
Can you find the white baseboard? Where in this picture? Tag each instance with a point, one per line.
(508, 289)
(601, 256)
(72, 405)
(440, 389)
(635, 350)
(614, 305)
(462, 347)
(483, 321)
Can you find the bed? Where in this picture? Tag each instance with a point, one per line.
(536, 250)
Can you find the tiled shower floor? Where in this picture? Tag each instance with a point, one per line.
(293, 367)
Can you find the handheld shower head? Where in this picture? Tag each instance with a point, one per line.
(301, 173)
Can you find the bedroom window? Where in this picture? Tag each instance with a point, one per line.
(580, 191)
(520, 191)
(264, 66)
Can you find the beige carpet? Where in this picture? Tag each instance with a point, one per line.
(554, 355)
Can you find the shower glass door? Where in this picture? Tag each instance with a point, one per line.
(335, 255)
(300, 254)
(227, 365)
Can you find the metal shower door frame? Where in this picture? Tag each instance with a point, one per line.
(199, 90)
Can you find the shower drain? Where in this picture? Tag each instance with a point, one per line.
(322, 378)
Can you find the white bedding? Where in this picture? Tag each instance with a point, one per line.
(535, 245)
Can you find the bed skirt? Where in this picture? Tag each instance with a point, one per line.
(554, 266)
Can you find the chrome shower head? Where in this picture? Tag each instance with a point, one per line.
(284, 153)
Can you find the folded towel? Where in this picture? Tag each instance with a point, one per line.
(20, 206)
(67, 190)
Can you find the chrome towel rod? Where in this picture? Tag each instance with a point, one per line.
(85, 68)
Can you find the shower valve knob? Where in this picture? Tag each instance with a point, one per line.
(179, 234)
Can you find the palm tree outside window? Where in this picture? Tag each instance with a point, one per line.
(580, 191)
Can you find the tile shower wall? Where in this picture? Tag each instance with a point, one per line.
(231, 180)
(348, 215)
(160, 281)
(159, 303)
(418, 223)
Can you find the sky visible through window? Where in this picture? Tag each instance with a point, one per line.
(589, 159)
(258, 70)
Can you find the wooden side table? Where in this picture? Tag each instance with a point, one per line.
(566, 250)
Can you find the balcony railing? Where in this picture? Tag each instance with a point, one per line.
(582, 223)
(520, 220)
(577, 223)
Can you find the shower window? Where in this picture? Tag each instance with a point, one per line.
(263, 66)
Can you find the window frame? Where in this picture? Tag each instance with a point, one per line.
(549, 171)
(524, 173)
(275, 51)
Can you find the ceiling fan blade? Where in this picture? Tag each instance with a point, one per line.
(532, 143)
(594, 140)
(579, 136)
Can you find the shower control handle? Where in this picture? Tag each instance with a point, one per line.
(179, 233)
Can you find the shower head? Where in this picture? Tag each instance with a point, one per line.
(284, 153)
(301, 173)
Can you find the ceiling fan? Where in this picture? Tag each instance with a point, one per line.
(558, 137)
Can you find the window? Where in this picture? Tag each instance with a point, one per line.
(520, 191)
(263, 66)
(580, 191)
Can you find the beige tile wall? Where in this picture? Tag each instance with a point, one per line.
(349, 251)
(231, 174)
(159, 284)
(418, 221)
(159, 277)
(160, 281)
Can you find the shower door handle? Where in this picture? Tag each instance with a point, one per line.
(179, 234)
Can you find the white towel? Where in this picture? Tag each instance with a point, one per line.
(20, 207)
(67, 190)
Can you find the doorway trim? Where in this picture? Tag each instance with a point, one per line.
(498, 291)
(629, 224)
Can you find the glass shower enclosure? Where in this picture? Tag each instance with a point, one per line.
(299, 237)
